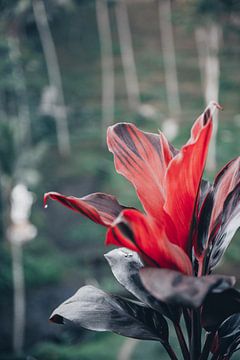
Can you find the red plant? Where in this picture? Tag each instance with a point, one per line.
(186, 226)
(170, 187)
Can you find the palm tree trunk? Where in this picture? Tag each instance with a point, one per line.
(208, 43)
(127, 54)
(54, 75)
(169, 58)
(107, 63)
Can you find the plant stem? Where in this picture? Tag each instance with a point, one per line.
(218, 356)
(169, 350)
(215, 356)
(187, 320)
(207, 346)
(195, 346)
(182, 342)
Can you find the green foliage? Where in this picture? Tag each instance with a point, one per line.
(5, 271)
(217, 7)
(87, 351)
(43, 263)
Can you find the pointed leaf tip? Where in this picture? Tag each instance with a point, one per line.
(218, 106)
(57, 319)
(209, 111)
(214, 105)
(45, 199)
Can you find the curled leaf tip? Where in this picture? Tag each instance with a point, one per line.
(45, 199)
(218, 106)
(215, 104)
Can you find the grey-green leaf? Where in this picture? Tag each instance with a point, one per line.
(93, 309)
(125, 265)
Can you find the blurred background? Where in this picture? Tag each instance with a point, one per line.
(68, 70)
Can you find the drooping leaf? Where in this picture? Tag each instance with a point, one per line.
(125, 265)
(99, 207)
(229, 336)
(94, 309)
(227, 224)
(218, 306)
(175, 288)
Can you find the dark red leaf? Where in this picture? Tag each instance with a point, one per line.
(100, 208)
(203, 223)
(227, 224)
(173, 287)
(224, 184)
(229, 336)
(216, 212)
(218, 306)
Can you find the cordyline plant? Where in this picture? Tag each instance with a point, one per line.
(168, 252)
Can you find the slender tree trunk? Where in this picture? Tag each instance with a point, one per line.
(169, 58)
(127, 54)
(19, 298)
(5, 193)
(4, 203)
(208, 43)
(54, 74)
(23, 134)
(107, 62)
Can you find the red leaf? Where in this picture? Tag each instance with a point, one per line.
(143, 159)
(100, 208)
(141, 234)
(183, 179)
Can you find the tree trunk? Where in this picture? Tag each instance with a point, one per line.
(19, 298)
(54, 75)
(127, 54)
(169, 59)
(107, 63)
(23, 126)
(208, 43)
